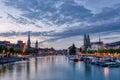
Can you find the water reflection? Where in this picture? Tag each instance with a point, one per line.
(88, 71)
(106, 71)
(36, 65)
(28, 70)
(56, 68)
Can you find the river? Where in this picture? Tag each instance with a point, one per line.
(56, 68)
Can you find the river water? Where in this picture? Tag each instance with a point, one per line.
(56, 68)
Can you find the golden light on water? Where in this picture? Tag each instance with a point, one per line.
(79, 64)
(106, 71)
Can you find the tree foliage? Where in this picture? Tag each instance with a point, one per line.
(72, 50)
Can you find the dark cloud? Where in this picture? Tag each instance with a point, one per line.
(39, 9)
(66, 13)
(35, 34)
(106, 14)
(22, 20)
(71, 32)
(8, 34)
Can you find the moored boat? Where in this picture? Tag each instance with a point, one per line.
(110, 64)
(74, 58)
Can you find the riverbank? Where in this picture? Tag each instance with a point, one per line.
(101, 55)
(13, 58)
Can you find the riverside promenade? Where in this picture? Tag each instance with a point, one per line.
(9, 59)
(116, 55)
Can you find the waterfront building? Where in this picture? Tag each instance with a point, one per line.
(88, 45)
(97, 45)
(16, 46)
(46, 51)
(5, 43)
(114, 45)
(19, 46)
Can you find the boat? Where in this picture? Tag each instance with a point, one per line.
(110, 64)
(88, 59)
(74, 58)
(118, 61)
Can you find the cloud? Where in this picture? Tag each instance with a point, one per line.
(61, 19)
(51, 10)
(22, 20)
(35, 34)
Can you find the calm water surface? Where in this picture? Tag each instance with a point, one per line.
(56, 68)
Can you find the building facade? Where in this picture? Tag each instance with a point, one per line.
(97, 46)
(18, 46)
(114, 45)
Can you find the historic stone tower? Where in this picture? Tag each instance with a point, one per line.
(28, 41)
(86, 41)
(36, 44)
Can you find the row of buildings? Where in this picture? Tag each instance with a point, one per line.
(20, 45)
(98, 45)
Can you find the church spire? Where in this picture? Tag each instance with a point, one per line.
(85, 39)
(29, 42)
(88, 40)
(36, 44)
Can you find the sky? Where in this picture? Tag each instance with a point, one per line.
(59, 23)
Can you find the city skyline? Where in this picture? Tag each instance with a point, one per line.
(59, 23)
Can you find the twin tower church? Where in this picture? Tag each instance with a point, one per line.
(88, 45)
(29, 42)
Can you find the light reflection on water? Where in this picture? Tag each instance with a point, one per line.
(106, 71)
(56, 68)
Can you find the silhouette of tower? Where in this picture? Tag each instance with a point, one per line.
(86, 41)
(29, 42)
(36, 44)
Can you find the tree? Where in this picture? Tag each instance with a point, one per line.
(118, 51)
(111, 51)
(18, 51)
(11, 50)
(90, 52)
(103, 51)
(72, 50)
(1, 49)
(5, 50)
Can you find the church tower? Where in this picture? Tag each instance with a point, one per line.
(85, 39)
(88, 40)
(87, 43)
(36, 44)
(29, 42)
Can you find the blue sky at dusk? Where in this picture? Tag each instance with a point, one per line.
(59, 23)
